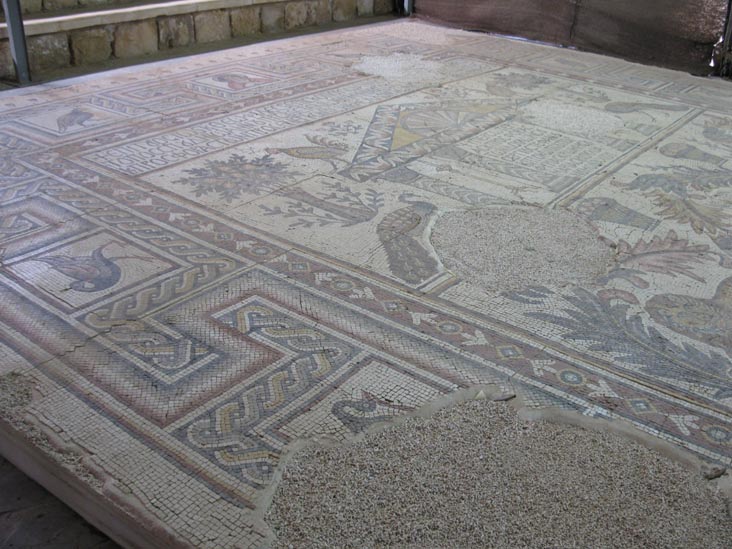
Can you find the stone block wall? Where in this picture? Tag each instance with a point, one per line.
(33, 7)
(136, 39)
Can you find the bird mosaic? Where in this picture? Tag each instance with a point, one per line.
(76, 117)
(400, 233)
(321, 149)
(91, 273)
(686, 151)
(706, 320)
(611, 211)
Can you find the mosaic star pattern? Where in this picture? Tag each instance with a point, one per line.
(205, 260)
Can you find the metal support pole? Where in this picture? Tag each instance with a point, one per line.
(725, 65)
(405, 7)
(16, 33)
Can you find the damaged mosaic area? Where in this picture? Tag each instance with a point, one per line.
(519, 483)
(205, 261)
(512, 248)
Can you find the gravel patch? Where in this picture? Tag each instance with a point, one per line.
(16, 391)
(511, 248)
(476, 475)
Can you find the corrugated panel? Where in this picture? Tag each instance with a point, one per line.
(673, 33)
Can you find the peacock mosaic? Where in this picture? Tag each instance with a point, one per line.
(199, 272)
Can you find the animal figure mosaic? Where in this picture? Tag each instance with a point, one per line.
(706, 320)
(91, 273)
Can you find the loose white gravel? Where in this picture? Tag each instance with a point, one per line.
(511, 248)
(476, 475)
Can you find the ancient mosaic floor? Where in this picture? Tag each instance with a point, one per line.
(205, 260)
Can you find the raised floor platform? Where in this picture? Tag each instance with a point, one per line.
(208, 261)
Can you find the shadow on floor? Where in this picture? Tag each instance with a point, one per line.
(30, 516)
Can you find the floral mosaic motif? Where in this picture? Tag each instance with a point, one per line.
(231, 178)
(670, 255)
(337, 205)
(702, 217)
(706, 320)
(602, 326)
(682, 195)
(533, 295)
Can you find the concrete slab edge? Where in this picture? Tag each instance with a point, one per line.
(110, 511)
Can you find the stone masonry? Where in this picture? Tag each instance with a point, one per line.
(135, 39)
